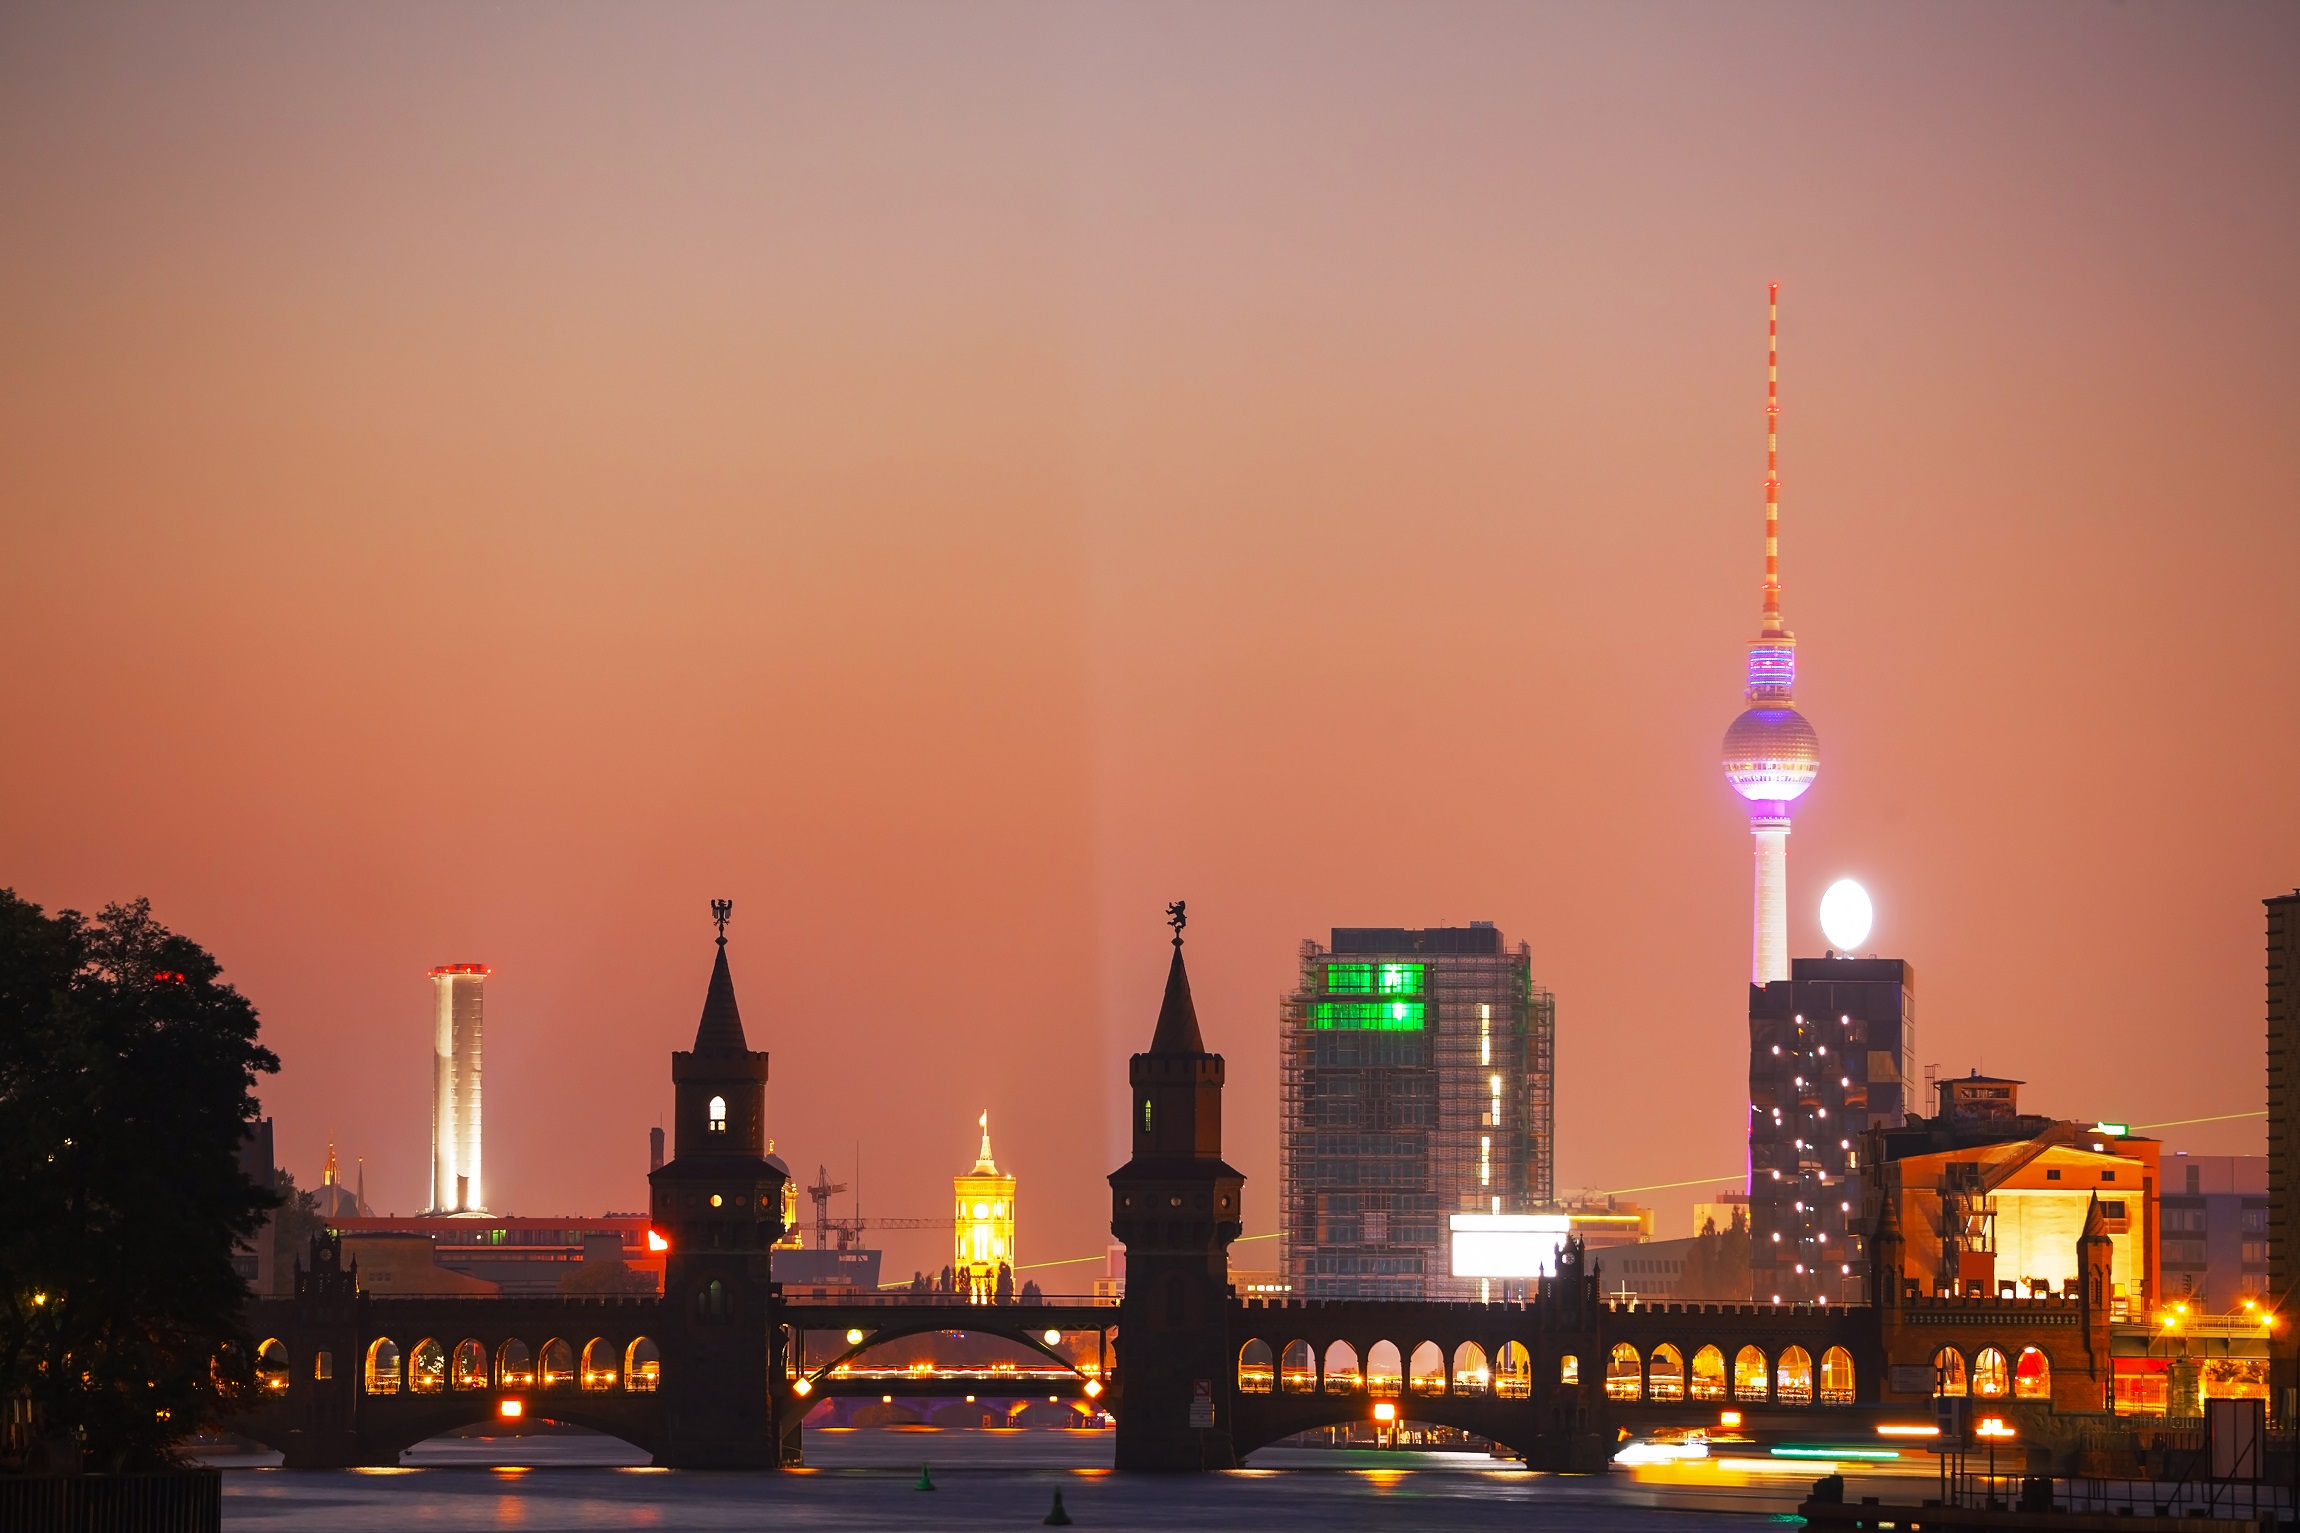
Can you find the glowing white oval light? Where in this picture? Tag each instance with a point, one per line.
(1846, 914)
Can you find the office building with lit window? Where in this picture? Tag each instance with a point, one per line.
(1829, 1053)
(1415, 1073)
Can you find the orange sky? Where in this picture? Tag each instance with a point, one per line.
(480, 483)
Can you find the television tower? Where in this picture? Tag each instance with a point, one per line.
(1771, 753)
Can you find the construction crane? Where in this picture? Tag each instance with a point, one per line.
(848, 1230)
(821, 1192)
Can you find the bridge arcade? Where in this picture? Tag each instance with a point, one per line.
(713, 1373)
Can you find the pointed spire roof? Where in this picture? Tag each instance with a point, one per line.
(721, 1030)
(983, 1164)
(2095, 1227)
(1177, 1017)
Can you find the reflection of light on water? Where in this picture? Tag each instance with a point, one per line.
(384, 1469)
(641, 1469)
(1383, 1479)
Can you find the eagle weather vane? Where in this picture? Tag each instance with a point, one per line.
(1178, 916)
(720, 910)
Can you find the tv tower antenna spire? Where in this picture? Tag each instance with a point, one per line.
(1771, 753)
(1772, 459)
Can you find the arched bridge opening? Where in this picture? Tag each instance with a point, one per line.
(1060, 1358)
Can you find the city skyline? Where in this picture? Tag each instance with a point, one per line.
(958, 538)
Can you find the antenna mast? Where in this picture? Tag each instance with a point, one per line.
(1772, 459)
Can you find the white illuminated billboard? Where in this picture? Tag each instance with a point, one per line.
(1507, 1245)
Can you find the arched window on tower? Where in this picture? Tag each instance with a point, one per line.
(716, 1114)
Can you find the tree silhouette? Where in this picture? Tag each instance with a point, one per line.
(126, 1086)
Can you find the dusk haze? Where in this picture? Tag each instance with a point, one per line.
(1131, 547)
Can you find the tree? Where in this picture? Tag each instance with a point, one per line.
(1717, 1268)
(607, 1278)
(126, 1086)
(294, 1223)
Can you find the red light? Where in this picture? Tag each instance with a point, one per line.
(461, 968)
(167, 977)
(656, 1242)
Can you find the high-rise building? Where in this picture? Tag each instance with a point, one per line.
(2284, 1147)
(985, 1201)
(1415, 1073)
(458, 1005)
(1771, 754)
(2212, 1222)
(1829, 1059)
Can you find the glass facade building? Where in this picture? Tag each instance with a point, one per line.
(1415, 1082)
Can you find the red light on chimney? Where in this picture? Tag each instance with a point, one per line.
(461, 968)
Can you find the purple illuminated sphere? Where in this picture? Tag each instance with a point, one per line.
(1771, 754)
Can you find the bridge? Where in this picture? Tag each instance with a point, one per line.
(721, 1369)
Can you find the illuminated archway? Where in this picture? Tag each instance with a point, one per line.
(1949, 1372)
(556, 1369)
(1836, 1377)
(1513, 1371)
(468, 1368)
(427, 1367)
(599, 1371)
(1749, 1373)
(272, 1370)
(1471, 1376)
(1256, 1369)
(514, 1365)
(1665, 1376)
(1793, 1377)
(381, 1375)
(1385, 1370)
(1342, 1369)
(1992, 1377)
(1624, 1373)
(2032, 1376)
(1708, 1375)
(1298, 1369)
(1425, 1370)
(642, 1367)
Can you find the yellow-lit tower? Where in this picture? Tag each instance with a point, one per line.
(985, 1226)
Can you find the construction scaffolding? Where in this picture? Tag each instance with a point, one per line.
(1416, 1072)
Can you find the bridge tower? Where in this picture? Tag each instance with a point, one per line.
(1176, 1206)
(719, 1202)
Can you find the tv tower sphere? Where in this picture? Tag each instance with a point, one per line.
(1771, 754)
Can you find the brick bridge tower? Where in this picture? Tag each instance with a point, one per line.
(1176, 1207)
(719, 1201)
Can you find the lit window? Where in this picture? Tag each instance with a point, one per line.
(1369, 1016)
(1350, 978)
(716, 1113)
(1401, 979)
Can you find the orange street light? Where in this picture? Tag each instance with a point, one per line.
(511, 1410)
